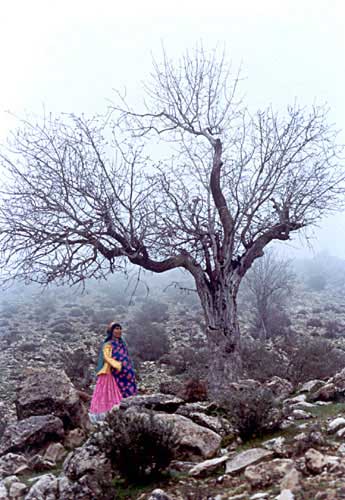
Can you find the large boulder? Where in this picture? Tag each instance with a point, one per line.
(193, 440)
(51, 391)
(31, 433)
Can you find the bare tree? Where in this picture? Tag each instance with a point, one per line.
(267, 286)
(84, 196)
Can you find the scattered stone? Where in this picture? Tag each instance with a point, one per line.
(341, 450)
(207, 466)
(159, 494)
(280, 387)
(314, 461)
(3, 491)
(74, 438)
(291, 480)
(336, 424)
(39, 464)
(17, 490)
(286, 495)
(301, 415)
(11, 463)
(311, 385)
(242, 460)
(277, 445)
(47, 488)
(266, 474)
(55, 452)
(341, 433)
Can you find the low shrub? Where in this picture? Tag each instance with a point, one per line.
(147, 341)
(139, 446)
(315, 322)
(194, 390)
(313, 358)
(260, 362)
(252, 411)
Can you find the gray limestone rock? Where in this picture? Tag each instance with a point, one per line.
(249, 457)
(31, 433)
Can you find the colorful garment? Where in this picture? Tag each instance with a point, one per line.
(106, 394)
(125, 379)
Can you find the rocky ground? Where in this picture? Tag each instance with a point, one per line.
(47, 450)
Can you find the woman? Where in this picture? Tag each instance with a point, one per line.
(106, 394)
(125, 378)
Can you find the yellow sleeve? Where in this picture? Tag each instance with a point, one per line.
(109, 359)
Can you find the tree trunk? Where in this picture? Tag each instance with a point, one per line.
(223, 336)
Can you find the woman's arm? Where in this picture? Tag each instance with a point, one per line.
(107, 356)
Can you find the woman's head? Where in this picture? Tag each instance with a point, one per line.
(114, 331)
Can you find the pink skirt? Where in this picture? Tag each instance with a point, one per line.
(105, 396)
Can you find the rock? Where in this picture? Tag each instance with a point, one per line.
(193, 440)
(52, 392)
(181, 466)
(301, 398)
(329, 494)
(311, 385)
(341, 450)
(171, 387)
(55, 452)
(74, 438)
(207, 466)
(3, 492)
(286, 495)
(336, 424)
(325, 393)
(265, 474)
(158, 402)
(277, 445)
(291, 480)
(314, 461)
(18, 490)
(341, 433)
(38, 464)
(31, 433)
(242, 460)
(11, 462)
(45, 488)
(159, 494)
(216, 424)
(280, 387)
(301, 415)
(87, 458)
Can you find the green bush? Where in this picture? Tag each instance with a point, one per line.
(252, 411)
(138, 445)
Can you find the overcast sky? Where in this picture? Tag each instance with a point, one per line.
(70, 55)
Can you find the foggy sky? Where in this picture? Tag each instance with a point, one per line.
(69, 55)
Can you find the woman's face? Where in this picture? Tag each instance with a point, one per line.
(117, 332)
